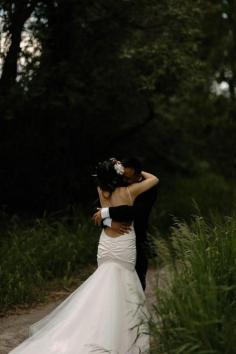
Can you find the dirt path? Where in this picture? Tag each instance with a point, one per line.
(14, 327)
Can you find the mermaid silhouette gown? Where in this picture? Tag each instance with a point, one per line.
(106, 314)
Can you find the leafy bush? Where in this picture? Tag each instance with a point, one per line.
(182, 197)
(46, 248)
(197, 307)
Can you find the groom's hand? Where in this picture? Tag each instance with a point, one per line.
(120, 228)
(97, 217)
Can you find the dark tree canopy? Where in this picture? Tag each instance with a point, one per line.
(155, 79)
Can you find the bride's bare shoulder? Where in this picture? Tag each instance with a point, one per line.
(103, 194)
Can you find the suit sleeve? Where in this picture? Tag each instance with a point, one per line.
(122, 213)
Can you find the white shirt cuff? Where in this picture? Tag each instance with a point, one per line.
(107, 221)
(105, 213)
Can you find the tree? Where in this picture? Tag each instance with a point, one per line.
(16, 13)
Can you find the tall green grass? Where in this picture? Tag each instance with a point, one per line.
(36, 252)
(196, 309)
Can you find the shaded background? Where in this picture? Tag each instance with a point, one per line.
(85, 80)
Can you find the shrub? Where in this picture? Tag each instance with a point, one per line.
(44, 249)
(197, 308)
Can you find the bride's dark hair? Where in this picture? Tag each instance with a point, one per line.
(106, 176)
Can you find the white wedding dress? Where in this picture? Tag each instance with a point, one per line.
(106, 314)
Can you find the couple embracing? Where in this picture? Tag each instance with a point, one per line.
(108, 312)
(118, 218)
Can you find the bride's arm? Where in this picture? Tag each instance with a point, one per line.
(149, 181)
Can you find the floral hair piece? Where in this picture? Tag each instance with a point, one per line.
(119, 168)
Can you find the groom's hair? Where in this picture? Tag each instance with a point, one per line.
(132, 162)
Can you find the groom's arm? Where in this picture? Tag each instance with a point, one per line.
(119, 218)
(116, 217)
(121, 213)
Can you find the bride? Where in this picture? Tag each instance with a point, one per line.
(107, 313)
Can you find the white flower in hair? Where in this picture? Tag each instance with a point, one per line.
(119, 168)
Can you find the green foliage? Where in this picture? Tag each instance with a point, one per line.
(43, 250)
(197, 308)
(184, 196)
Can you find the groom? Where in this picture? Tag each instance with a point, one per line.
(115, 217)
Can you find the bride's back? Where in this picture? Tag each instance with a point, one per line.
(120, 196)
